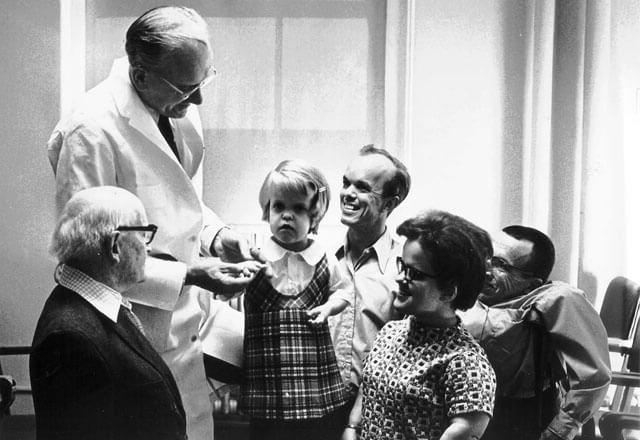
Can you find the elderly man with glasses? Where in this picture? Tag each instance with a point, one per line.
(93, 373)
(139, 130)
(544, 339)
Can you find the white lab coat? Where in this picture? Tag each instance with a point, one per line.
(112, 139)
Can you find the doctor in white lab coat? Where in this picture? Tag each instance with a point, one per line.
(112, 138)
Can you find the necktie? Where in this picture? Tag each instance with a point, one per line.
(167, 133)
(133, 318)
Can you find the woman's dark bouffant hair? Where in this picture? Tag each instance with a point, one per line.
(455, 258)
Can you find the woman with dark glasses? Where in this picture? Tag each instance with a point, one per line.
(426, 378)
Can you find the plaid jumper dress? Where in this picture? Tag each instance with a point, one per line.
(290, 366)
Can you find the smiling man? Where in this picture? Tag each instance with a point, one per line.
(544, 340)
(374, 184)
(139, 129)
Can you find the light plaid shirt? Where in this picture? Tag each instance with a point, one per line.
(106, 300)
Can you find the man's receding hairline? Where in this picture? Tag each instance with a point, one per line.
(390, 168)
(377, 154)
(529, 243)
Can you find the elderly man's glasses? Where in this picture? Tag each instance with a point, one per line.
(411, 273)
(183, 96)
(503, 265)
(148, 231)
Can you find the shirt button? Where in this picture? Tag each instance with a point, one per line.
(194, 338)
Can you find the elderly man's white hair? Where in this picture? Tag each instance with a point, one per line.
(89, 218)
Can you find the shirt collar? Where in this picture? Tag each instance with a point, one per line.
(381, 249)
(106, 300)
(312, 255)
(154, 114)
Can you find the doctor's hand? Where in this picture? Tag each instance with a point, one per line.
(222, 278)
(232, 247)
(318, 315)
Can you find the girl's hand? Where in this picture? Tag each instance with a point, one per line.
(318, 315)
(330, 308)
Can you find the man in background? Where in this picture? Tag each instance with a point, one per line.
(374, 184)
(139, 130)
(93, 373)
(544, 340)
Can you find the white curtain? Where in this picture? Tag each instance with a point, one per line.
(526, 112)
(573, 148)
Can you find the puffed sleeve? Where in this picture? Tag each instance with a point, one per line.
(470, 384)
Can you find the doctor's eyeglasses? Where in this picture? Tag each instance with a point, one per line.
(184, 95)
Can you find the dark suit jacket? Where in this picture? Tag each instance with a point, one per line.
(94, 379)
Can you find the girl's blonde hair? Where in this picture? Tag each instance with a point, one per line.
(300, 177)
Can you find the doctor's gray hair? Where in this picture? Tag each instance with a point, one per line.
(89, 218)
(159, 33)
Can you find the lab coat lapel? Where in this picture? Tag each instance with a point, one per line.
(189, 134)
(131, 108)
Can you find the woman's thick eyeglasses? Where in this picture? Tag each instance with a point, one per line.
(502, 264)
(148, 231)
(183, 96)
(411, 273)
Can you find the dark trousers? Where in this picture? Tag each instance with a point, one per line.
(329, 427)
(521, 418)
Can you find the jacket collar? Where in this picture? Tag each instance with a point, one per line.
(107, 302)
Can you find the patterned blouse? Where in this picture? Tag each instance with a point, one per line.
(418, 377)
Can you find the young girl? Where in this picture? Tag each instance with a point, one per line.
(292, 386)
